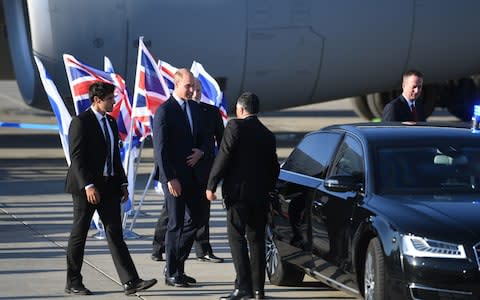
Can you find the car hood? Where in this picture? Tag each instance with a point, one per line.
(448, 218)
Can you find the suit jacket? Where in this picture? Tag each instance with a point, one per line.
(87, 148)
(398, 110)
(247, 162)
(212, 126)
(173, 140)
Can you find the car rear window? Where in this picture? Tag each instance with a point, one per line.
(312, 156)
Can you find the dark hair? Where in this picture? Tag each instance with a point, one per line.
(412, 72)
(100, 89)
(250, 102)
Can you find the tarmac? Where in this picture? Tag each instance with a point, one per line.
(36, 215)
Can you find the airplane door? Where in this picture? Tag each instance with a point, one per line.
(282, 51)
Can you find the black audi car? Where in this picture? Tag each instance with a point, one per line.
(382, 211)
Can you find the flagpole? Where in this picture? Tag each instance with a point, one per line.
(131, 195)
(134, 104)
(128, 233)
(130, 132)
(147, 186)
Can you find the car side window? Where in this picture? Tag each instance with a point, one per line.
(313, 155)
(349, 160)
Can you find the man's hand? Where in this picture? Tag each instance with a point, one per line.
(125, 194)
(174, 187)
(194, 157)
(93, 197)
(210, 195)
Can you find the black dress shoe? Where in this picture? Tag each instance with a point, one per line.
(138, 285)
(238, 295)
(176, 281)
(188, 279)
(80, 290)
(259, 295)
(210, 258)
(156, 257)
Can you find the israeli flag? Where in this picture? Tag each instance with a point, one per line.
(211, 92)
(58, 106)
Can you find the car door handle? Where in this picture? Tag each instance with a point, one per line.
(317, 205)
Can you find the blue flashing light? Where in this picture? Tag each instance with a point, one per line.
(476, 110)
(476, 119)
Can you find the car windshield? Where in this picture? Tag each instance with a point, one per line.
(428, 169)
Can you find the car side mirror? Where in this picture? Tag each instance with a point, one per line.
(343, 183)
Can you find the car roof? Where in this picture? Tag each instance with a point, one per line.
(401, 131)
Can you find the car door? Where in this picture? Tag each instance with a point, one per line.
(299, 178)
(332, 212)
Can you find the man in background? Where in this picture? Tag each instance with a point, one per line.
(407, 107)
(213, 127)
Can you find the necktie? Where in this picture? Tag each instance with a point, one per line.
(414, 113)
(108, 143)
(184, 107)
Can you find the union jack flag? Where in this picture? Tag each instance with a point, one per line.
(122, 110)
(80, 77)
(150, 89)
(211, 92)
(168, 72)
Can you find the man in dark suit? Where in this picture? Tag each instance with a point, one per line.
(178, 145)
(406, 108)
(213, 127)
(97, 181)
(247, 163)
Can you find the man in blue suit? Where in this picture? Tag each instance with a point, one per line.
(212, 126)
(178, 146)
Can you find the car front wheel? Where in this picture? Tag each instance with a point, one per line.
(374, 274)
(279, 272)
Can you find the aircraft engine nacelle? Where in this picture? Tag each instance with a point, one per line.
(289, 52)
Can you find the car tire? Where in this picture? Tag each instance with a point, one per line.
(278, 271)
(374, 272)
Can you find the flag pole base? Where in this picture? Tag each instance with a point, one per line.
(100, 235)
(130, 235)
(131, 213)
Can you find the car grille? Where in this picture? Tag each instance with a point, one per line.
(476, 249)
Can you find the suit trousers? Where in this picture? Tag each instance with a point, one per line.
(243, 219)
(160, 232)
(181, 227)
(109, 211)
(202, 234)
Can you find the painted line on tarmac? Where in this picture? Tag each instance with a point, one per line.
(4, 209)
(29, 126)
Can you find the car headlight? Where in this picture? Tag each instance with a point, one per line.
(423, 247)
